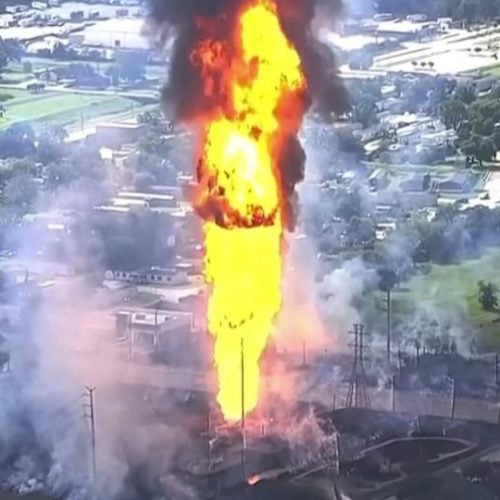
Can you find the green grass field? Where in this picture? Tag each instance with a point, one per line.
(66, 109)
(454, 289)
(491, 70)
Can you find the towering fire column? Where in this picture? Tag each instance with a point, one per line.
(259, 79)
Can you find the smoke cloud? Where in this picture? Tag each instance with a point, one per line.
(56, 348)
(185, 96)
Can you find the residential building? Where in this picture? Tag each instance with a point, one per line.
(176, 276)
(379, 179)
(455, 183)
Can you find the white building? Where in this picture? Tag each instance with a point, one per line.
(176, 276)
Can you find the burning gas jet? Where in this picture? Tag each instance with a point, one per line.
(244, 73)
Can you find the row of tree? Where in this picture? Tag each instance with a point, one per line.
(471, 10)
(475, 119)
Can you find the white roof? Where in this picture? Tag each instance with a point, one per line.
(128, 32)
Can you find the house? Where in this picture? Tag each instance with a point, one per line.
(394, 105)
(438, 138)
(416, 183)
(6, 20)
(379, 179)
(417, 18)
(155, 275)
(484, 84)
(456, 183)
(115, 134)
(416, 200)
(153, 329)
(151, 200)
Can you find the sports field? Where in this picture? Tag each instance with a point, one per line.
(69, 110)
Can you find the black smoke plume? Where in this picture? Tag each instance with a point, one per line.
(184, 97)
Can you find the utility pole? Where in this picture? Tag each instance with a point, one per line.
(157, 335)
(91, 416)
(209, 435)
(393, 393)
(389, 326)
(387, 300)
(453, 398)
(243, 437)
(496, 374)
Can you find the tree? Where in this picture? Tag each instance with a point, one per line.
(487, 149)
(50, 147)
(360, 231)
(453, 112)
(156, 143)
(20, 193)
(17, 141)
(9, 50)
(350, 144)
(470, 10)
(348, 204)
(365, 112)
(488, 295)
(388, 278)
(131, 65)
(470, 147)
(466, 94)
(496, 139)
(157, 166)
(143, 181)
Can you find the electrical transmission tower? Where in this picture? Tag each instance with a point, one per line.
(357, 395)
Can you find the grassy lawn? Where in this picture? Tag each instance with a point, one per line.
(454, 289)
(66, 109)
(492, 70)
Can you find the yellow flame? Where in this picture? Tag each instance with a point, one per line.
(239, 174)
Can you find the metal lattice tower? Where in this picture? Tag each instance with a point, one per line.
(357, 394)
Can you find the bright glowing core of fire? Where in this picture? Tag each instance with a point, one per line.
(262, 81)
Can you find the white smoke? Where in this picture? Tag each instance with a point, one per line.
(340, 293)
(55, 352)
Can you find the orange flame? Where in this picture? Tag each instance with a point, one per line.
(259, 83)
